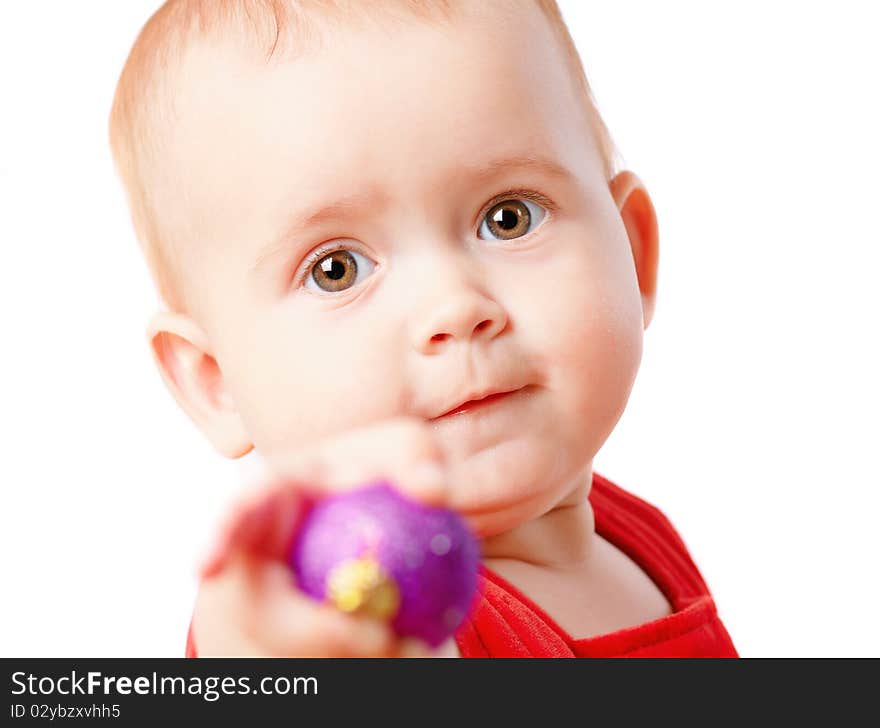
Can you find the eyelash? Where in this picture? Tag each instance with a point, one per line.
(514, 193)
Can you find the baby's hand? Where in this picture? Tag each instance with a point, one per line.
(248, 603)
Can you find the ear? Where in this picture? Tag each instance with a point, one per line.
(637, 212)
(182, 353)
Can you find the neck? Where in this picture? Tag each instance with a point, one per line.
(560, 539)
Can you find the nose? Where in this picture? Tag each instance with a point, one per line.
(452, 307)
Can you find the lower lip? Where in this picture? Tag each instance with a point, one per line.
(479, 404)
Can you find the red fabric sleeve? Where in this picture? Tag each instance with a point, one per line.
(190, 642)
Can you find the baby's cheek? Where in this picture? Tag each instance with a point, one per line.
(342, 377)
(598, 351)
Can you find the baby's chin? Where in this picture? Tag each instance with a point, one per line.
(513, 481)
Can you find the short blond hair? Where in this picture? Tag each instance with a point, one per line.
(272, 27)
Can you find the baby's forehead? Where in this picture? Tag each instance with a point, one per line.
(444, 33)
(328, 122)
(454, 85)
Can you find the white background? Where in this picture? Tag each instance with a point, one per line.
(753, 423)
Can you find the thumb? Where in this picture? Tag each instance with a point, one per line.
(262, 524)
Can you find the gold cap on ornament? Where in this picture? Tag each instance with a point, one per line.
(361, 585)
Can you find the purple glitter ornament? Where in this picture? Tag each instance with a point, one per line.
(377, 552)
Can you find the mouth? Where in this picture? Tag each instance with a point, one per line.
(477, 404)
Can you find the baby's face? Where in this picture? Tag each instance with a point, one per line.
(358, 250)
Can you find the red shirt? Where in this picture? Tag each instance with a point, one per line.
(506, 623)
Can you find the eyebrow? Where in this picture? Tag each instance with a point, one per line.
(351, 204)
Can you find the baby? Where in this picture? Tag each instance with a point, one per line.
(392, 242)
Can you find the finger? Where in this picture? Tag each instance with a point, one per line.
(261, 522)
(252, 608)
(411, 647)
(291, 623)
(403, 450)
(448, 649)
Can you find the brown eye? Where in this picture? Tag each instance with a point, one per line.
(336, 271)
(511, 219)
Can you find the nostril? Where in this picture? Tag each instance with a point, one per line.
(439, 337)
(482, 325)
